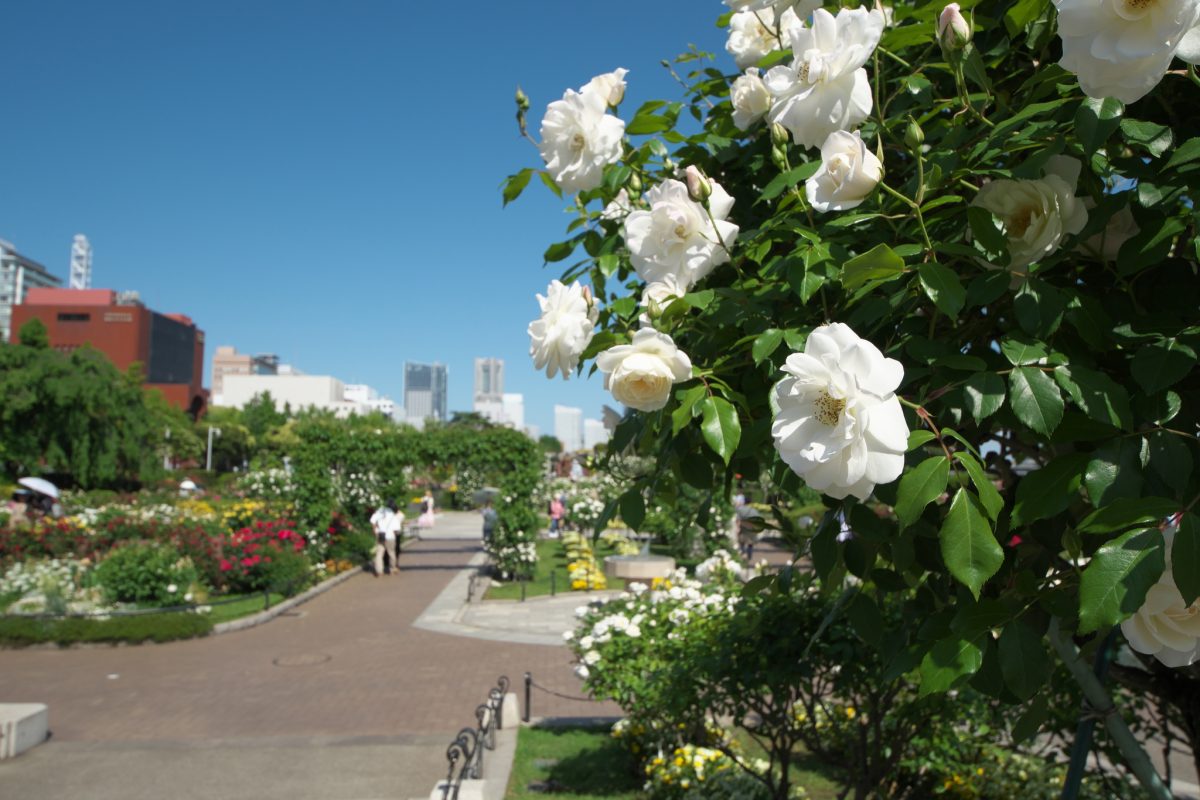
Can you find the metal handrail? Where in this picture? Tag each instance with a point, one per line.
(465, 753)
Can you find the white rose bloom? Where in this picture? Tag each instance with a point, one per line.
(754, 34)
(586, 642)
(1121, 227)
(839, 425)
(618, 208)
(568, 635)
(676, 237)
(849, 172)
(581, 672)
(657, 296)
(641, 374)
(591, 658)
(1122, 48)
(610, 86)
(825, 89)
(1036, 214)
(1164, 627)
(750, 98)
(579, 139)
(564, 330)
(633, 631)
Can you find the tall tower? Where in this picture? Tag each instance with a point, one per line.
(81, 263)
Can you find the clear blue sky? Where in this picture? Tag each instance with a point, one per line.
(317, 179)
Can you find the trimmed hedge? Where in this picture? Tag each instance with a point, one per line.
(24, 631)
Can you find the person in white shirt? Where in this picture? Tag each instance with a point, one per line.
(382, 522)
(393, 534)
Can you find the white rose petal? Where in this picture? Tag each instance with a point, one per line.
(591, 658)
(825, 88)
(754, 34)
(559, 337)
(1036, 214)
(1122, 48)
(1121, 227)
(1164, 627)
(839, 425)
(750, 98)
(579, 139)
(610, 86)
(848, 173)
(641, 374)
(676, 237)
(581, 672)
(618, 208)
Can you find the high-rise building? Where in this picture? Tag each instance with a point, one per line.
(367, 396)
(594, 433)
(514, 410)
(18, 275)
(424, 392)
(169, 347)
(228, 361)
(489, 389)
(568, 427)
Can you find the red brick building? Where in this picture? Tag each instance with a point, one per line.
(169, 347)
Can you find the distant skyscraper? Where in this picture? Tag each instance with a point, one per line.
(514, 411)
(594, 433)
(568, 427)
(489, 389)
(18, 275)
(424, 391)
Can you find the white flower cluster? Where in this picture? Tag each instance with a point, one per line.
(578, 138)
(268, 484)
(356, 489)
(54, 585)
(723, 566)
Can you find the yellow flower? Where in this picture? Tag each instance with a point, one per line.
(850, 712)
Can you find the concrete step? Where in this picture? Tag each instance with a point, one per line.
(22, 726)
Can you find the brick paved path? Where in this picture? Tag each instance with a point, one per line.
(362, 671)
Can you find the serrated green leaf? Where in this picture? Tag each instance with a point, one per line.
(1035, 399)
(942, 287)
(1185, 558)
(969, 547)
(1128, 512)
(919, 487)
(987, 237)
(559, 250)
(1114, 583)
(1048, 491)
(515, 184)
(633, 508)
(985, 394)
(1171, 459)
(720, 426)
(1027, 726)
(1039, 307)
(1020, 349)
(786, 180)
(1161, 364)
(1185, 155)
(1114, 471)
(1154, 138)
(1096, 394)
(766, 344)
(878, 263)
(919, 437)
(1096, 120)
(948, 662)
(989, 496)
(1024, 661)
(681, 417)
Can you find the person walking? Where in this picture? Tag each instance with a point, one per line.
(490, 520)
(381, 524)
(393, 533)
(557, 510)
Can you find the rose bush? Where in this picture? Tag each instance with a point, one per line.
(1049, 384)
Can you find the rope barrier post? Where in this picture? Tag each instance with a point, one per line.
(528, 691)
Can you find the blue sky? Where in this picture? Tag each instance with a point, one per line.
(317, 179)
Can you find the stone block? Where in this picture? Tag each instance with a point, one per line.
(467, 790)
(22, 726)
(510, 711)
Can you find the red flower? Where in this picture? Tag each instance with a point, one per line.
(225, 565)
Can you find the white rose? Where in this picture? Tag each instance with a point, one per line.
(1036, 214)
(618, 208)
(839, 425)
(755, 34)
(1120, 228)
(610, 86)
(1164, 627)
(848, 173)
(559, 337)
(633, 631)
(750, 98)
(579, 139)
(568, 635)
(586, 642)
(676, 237)
(641, 374)
(825, 89)
(581, 672)
(591, 658)
(1122, 48)
(657, 296)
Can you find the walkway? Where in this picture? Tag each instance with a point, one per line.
(342, 699)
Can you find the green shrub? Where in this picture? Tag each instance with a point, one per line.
(24, 631)
(357, 547)
(146, 572)
(287, 572)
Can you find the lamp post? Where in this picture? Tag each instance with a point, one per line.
(208, 463)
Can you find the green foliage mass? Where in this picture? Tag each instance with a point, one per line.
(145, 572)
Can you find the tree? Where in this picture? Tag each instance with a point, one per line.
(34, 334)
(549, 444)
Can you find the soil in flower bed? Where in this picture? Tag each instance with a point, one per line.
(574, 763)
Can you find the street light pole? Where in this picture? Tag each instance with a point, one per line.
(208, 463)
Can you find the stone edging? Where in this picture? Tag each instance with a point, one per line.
(250, 621)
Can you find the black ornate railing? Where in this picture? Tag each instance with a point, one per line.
(465, 753)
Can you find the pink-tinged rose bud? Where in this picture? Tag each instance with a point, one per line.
(954, 32)
(698, 186)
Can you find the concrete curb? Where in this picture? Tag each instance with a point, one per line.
(242, 623)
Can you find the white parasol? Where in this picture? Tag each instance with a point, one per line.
(41, 486)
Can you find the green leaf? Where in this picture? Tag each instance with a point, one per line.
(985, 394)
(1096, 120)
(558, 251)
(878, 263)
(1186, 154)
(989, 496)
(1149, 246)
(918, 438)
(1048, 491)
(720, 426)
(1114, 583)
(1031, 721)
(633, 508)
(948, 662)
(1096, 394)
(1114, 471)
(1161, 364)
(1022, 13)
(699, 300)
(1185, 558)
(786, 180)
(681, 417)
(643, 124)
(865, 618)
(1150, 136)
(1024, 661)
(1170, 459)
(987, 237)
(943, 287)
(1127, 512)
(515, 184)
(919, 487)
(766, 344)
(1035, 399)
(1039, 307)
(987, 288)
(1020, 349)
(969, 547)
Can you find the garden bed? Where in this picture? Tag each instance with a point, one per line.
(552, 560)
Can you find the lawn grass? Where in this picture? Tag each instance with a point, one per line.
(243, 606)
(552, 559)
(576, 763)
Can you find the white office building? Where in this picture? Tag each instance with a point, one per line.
(594, 433)
(489, 389)
(18, 275)
(514, 410)
(568, 427)
(298, 391)
(366, 395)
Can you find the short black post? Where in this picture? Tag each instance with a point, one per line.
(528, 691)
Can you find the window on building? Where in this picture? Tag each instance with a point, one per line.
(67, 316)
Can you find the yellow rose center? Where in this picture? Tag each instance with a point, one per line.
(1019, 222)
(1137, 6)
(828, 409)
(578, 142)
